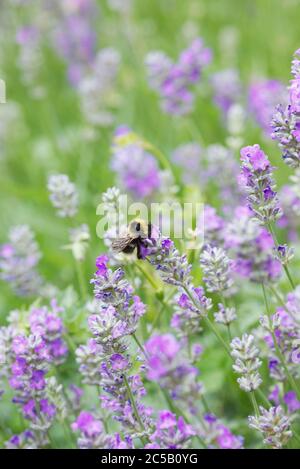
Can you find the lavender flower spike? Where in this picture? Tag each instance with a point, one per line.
(257, 182)
(246, 362)
(286, 120)
(216, 268)
(274, 425)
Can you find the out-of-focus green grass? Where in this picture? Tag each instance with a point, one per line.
(266, 34)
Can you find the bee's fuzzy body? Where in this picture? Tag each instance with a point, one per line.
(137, 233)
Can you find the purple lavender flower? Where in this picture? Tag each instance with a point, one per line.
(217, 435)
(290, 399)
(263, 98)
(286, 121)
(227, 88)
(167, 366)
(97, 87)
(18, 262)
(284, 326)
(47, 324)
(105, 361)
(92, 434)
(250, 247)
(290, 203)
(257, 182)
(189, 158)
(136, 168)
(26, 440)
(171, 433)
(75, 38)
(173, 80)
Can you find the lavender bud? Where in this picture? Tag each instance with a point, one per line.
(283, 253)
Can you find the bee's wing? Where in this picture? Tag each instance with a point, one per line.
(121, 243)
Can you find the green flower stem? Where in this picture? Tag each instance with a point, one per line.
(135, 410)
(278, 297)
(140, 345)
(149, 277)
(264, 398)
(278, 351)
(254, 403)
(229, 333)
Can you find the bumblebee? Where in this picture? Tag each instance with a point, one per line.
(138, 233)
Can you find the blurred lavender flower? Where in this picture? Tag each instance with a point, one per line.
(89, 359)
(63, 195)
(96, 88)
(286, 122)
(172, 370)
(214, 226)
(247, 362)
(171, 433)
(18, 262)
(173, 80)
(220, 158)
(217, 435)
(290, 203)
(92, 433)
(189, 158)
(274, 425)
(137, 168)
(291, 401)
(30, 58)
(283, 253)
(25, 440)
(74, 37)
(225, 315)
(120, 6)
(29, 356)
(250, 247)
(201, 166)
(227, 88)
(257, 181)
(284, 326)
(263, 98)
(79, 242)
